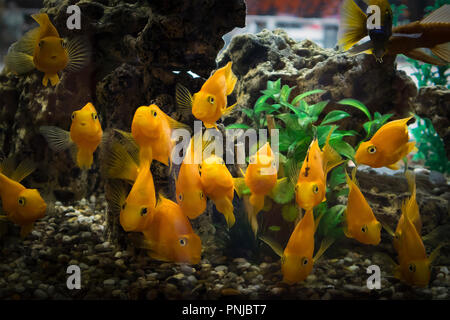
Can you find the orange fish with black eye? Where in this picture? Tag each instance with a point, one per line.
(413, 39)
(135, 208)
(21, 205)
(169, 236)
(210, 103)
(83, 138)
(218, 185)
(387, 147)
(310, 189)
(297, 259)
(360, 222)
(152, 129)
(42, 48)
(410, 208)
(189, 188)
(414, 267)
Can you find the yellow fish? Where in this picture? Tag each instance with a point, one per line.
(353, 26)
(297, 258)
(387, 147)
(414, 267)
(261, 179)
(21, 205)
(84, 136)
(169, 235)
(119, 163)
(189, 188)
(310, 189)
(412, 39)
(42, 48)
(152, 129)
(409, 208)
(361, 223)
(210, 103)
(218, 185)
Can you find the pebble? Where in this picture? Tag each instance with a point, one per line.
(277, 291)
(186, 269)
(40, 294)
(109, 282)
(353, 268)
(221, 268)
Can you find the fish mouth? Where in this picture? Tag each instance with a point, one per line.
(53, 57)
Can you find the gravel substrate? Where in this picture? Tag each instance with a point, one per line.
(74, 235)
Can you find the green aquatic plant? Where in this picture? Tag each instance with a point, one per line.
(430, 145)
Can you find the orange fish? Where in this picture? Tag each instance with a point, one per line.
(84, 136)
(119, 163)
(387, 147)
(414, 267)
(21, 205)
(261, 179)
(218, 185)
(297, 258)
(189, 188)
(310, 189)
(409, 208)
(210, 103)
(169, 235)
(412, 40)
(152, 129)
(42, 48)
(361, 223)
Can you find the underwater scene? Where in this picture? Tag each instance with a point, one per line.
(224, 150)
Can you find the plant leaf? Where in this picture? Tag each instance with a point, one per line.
(334, 116)
(358, 105)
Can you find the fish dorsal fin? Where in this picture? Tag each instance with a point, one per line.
(174, 124)
(441, 15)
(79, 52)
(275, 246)
(324, 245)
(47, 29)
(184, 98)
(7, 166)
(352, 27)
(421, 54)
(332, 157)
(58, 139)
(317, 221)
(23, 170)
(442, 51)
(230, 78)
(115, 194)
(117, 163)
(293, 170)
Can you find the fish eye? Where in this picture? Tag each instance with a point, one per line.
(124, 206)
(364, 229)
(183, 242)
(371, 149)
(296, 188)
(201, 195)
(315, 189)
(304, 261)
(63, 43)
(143, 211)
(40, 43)
(73, 116)
(155, 114)
(94, 116)
(211, 99)
(412, 267)
(180, 197)
(22, 201)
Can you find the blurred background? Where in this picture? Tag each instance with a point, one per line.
(316, 20)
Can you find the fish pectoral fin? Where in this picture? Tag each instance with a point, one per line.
(395, 166)
(57, 138)
(387, 228)
(184, 99)
(441, 15)
(118, 162)
(352, 27)
(115, 194)
(239, 186)
(19, 62)
(366, 47)
(433, 255)
(275, 246)
(443, 52)
(324, 245)
(25, 230)
(45, 80)
(78, 52)
(174, 124)
(228, 110)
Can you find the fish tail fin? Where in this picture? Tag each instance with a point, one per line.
(411, 179)
(19, 62)
(324, 245)
(23, 170)
(79, 52)
(118, 163)
(275, 246)
(53, 77)
(84, 158)
(442, 51)
(230, 78)
(184, 99)
(352, 27)
(332, 157)
(225, 206)
(441, 15)
(257, 204)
